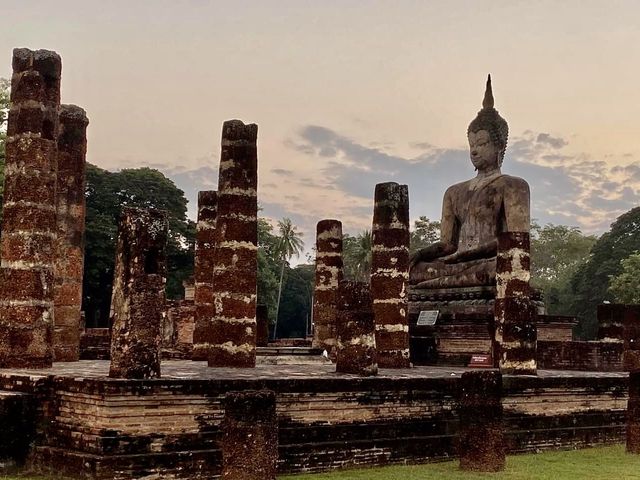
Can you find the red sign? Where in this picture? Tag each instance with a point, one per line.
(480, 361)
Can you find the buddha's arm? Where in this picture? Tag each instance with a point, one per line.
(448, 235)
(516, 206)
(486, 250)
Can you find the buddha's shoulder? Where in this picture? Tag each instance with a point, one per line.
(509, 181)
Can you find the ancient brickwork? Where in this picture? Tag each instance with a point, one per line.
(328, 276)
(356, 347)
(27, 248)
(95, 344)
(262, 328)
(70, 212)
(515, 333)
(631, 338)
(232, 338)
(177, 329)
(138, 300)
(633, 413)
(249, 436)
(390, 273)
(592, 356)
(482, 445)
(203, 271)
(610, 321)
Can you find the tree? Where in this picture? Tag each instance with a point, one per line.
(297, 296)
(107, 192)
(625, 287)
(289, 244)
(268, 267)
(425, 232)
(557, 251)
(356, 254)
(590, 283)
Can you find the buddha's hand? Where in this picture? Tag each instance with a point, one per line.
(453, 258)
(415, 258)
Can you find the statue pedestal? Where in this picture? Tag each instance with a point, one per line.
(464, 326)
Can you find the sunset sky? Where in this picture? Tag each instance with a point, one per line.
(347, 94)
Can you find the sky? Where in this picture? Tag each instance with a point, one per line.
(347, 94)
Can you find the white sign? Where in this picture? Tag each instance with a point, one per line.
(428, 318)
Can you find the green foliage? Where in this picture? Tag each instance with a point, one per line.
(356, 255)
(107, 192)
(289, 243)
(601, 463)
(295, 305)
(424, 233)
(268, 267)
(625, 287)
(557, 251)
(590, 284)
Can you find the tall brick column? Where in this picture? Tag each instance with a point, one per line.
(390, 273)
(27, 247)
(328, 277)
(481, 442)
(138, 300)
(633, 413)
(631, 338)
(233, 333)
(203, 272)
(70, 211)
(250, 436)
(356, 347)
(515, 335)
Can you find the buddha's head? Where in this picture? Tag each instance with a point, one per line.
(488, 134)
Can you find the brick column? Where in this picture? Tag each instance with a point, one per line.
(233, 333)
(631, 338)
(356, 347)
(262, 329)
(515, 334)
(633, 413)
(203, 272)
(138, 300)
(481, 443)
(390, 273)
(328, 277)
(249, 436)
(70, 211)
(27, 248)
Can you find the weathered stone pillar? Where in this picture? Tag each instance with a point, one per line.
(481, 443)
(390, 274)
(631, 338)
(70, 211)
(633, 413)
(203, 272)
(262, 329)
(328, 277)
(138, 300)
(515, 334)
(233, 333)
(250, 436)
(27, 248)
(356, 346)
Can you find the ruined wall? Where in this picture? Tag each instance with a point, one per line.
(27, 248)
(178, 329)
(70, 213)
(596, 356)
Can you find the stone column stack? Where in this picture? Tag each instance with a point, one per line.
(328, 276)
(138, 300)
(631, 338)
(250, 436)
(515, 334)
(233, 332)
(481, 446)
(356, 347)
(27, 248)
(203, 272)
(70, 211)
(390, 274)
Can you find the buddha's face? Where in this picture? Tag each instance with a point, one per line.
(484, 154)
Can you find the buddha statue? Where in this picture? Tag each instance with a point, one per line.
(474, 212)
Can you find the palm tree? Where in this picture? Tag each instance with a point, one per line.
(362, 256)
(290, 243)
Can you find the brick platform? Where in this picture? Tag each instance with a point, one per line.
(97, 427)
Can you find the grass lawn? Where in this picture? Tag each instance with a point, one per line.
(603, 463)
